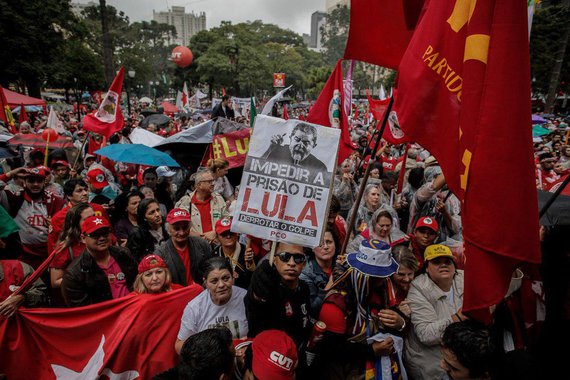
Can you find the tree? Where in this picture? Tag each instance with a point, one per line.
(335, 33)
(32, 34)
(549, 55)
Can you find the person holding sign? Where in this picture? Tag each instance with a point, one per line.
(277, 299)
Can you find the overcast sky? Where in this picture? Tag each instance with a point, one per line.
(288, 14)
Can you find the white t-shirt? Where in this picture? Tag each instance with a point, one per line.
(201, 314)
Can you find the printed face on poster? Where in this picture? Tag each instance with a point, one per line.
(287, 181)
(278, 80)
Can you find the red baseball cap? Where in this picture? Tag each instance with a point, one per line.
(223, 225)
(96, 177)
(150, 262)
(177, 215)
(38, 171)
(60, 162)
(426, 221)
(94, 223)
(274, 356)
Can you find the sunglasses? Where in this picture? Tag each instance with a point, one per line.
(298, 258)
(227, 234)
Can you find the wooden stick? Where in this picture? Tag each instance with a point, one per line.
(272, 254)
(352, 218)
(81, 150)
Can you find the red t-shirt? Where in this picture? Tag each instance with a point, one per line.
(116, 277)
(185, 256)
(63, 258)
(205, 213)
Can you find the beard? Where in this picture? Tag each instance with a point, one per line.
(299, 152)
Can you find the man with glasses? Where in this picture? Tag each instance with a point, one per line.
(32, 210)
(101, 272)
(277, 299)
(182, 253)
(204, 206)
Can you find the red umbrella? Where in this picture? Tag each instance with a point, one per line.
(36, 141)
(169, 108)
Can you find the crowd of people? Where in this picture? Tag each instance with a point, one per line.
(391, 303)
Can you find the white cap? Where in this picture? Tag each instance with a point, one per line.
(164, 171)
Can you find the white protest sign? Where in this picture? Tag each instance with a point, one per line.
(287, 181)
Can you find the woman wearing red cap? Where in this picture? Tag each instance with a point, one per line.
(154, 277)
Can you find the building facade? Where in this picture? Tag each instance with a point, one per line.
(186, 24)
(318, 20)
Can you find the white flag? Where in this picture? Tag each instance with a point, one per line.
(54, 122)
(271, 102)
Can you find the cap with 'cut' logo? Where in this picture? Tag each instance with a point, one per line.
(177, 215)
(274, 356)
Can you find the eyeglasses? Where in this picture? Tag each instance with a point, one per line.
(99, 233)
(297, 258)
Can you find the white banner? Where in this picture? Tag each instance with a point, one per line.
(287, 181)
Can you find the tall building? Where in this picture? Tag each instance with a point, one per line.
(186, 24)
(318, 20)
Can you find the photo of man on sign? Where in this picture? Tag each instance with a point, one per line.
(287, 180)
(303, 139)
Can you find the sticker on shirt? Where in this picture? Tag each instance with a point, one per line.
(288, 309)
(118, 277)
(224, 321)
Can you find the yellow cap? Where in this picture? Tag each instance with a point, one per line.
(437, 250)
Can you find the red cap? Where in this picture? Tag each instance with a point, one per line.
(150, 262)
(38, 171)
(274, 356)
(96, 177)
(177, 215)
(94, 223)
(426, 221)
(60, 162)
(223, 225)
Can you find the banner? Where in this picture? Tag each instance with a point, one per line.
(232, 146)
(380, 30)
(287, 181)
(466, 65)
(278, 80)
(127, 338)
(108, 119)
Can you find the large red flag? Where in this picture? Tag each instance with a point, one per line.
(467, 63)
(380, 30)
(393, 134)
(108, 119)
(126, 338)
(328, 110)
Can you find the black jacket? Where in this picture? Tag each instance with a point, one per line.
(84, 283)
(141, 242)
(199, 251)
(269, 304)
(244, 275)
(219, 109)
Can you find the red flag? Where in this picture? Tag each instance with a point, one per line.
(223, 91)
(328, 111)
(381, 29)
(23, 115)
(108, 119)
(393, 134)
(463, 68)
(285, 112)
(127, 336)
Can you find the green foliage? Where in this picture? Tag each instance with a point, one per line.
(547, 27)
(335, 33)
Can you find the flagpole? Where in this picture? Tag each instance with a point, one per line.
(81, 150)
(553, 197)
(352, 218)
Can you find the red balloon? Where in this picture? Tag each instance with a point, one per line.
(182, 56)
(52, 133)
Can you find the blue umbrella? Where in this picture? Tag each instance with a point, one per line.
(137, 154)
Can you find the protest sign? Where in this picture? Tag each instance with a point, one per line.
(287, 181)
(232, 146)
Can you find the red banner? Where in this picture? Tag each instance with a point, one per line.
(466, 64)
(127, 338)
(232, 146)
(278, 80)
